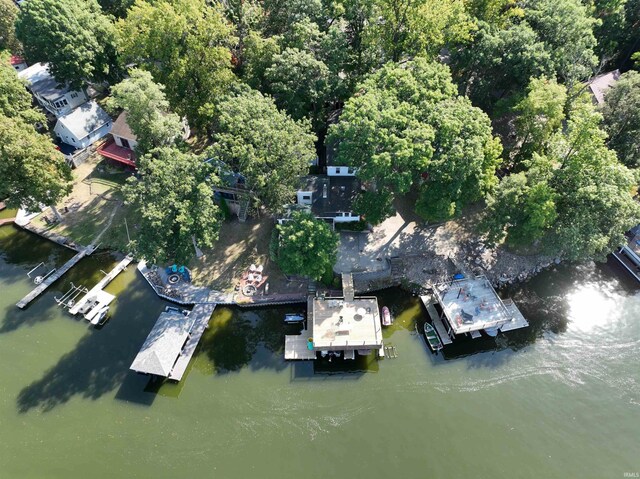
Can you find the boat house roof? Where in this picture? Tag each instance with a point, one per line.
(338, 324)
(471, 304)
(162, 347)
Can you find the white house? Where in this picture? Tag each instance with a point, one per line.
(55, 98)
(83, 126)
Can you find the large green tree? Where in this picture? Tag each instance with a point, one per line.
(404, 124)
(466, 155)
(306, 246)
(173, 200)
(147, 110)
(15, 100)
(621, 112)
(501, 62)
(269, 148)
(540, 116)
(185, 44)
(74, 36)
(8, 15)
(32, 171)
(578, 200)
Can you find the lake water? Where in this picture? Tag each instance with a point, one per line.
(560, 399)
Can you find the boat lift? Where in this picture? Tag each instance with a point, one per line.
(39, 279)
(68, 299)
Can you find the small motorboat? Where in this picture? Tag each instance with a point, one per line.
(492, 332)
(293, 318)
(387, 320)
(432, 338)
(101, 316)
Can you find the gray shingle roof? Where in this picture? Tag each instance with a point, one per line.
(85, 119)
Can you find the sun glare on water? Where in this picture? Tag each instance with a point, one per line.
(591, 307)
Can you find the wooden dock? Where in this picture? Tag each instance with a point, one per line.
(202, 313)
(295, 346)
(518, 320)
(119, 268)
(437, 322)
(38, 290)
(6, 221)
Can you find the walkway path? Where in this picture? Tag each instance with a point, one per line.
(6, 221)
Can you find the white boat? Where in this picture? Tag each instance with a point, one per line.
(100, 315)
(493, 332)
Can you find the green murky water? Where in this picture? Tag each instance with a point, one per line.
(561, 399)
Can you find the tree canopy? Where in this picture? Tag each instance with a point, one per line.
(15, 100)
(404, 129)
(32, 171)
(147, 110)
(8, 39)
(621, 112)
(173, 200)
(74, 36)
(306, 246)
(269, 148)
(185, 44)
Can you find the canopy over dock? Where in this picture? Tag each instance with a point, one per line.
(162, 347)
(471, 304)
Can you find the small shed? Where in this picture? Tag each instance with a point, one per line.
(84, 125)
(599, 85)
(18, 63)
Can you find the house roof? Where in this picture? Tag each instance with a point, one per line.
(42, 82)
(85, 119)
(16, 60)
(330, 194)
(162, 347)
(121, 127)
(600, 84)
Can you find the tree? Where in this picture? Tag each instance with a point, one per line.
(578, 200)
(495, 12)
(185, 44)
(540, 115)
(147, 110)
(501, 62)
(8, 40)
(174, 200)
(74, 36)
(523, 208)
(405, 123)
(306, 246)
(595, 192)
(117, 8)
(269, 148)
(621, 112)
(299, 82)
(15, 100)
(466, 155)
(421, 27)
(566, 28)
(32, 171)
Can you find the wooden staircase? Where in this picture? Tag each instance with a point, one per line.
(243, 214)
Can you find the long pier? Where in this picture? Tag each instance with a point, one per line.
(92, 293)
(202, 313)
(49, 280)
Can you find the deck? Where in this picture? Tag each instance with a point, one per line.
(49, 280)
(119, 268)
(295, 346)
(518, 320)
(202, 313)
(6, 221)
(435, 318)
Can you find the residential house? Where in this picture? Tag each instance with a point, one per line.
(120, 147)
(18, 63)
(83, 126)
(57, 99)
(600, 84)
(327, 197)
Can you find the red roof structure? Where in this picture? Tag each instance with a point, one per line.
(16, 60)
(114, 152)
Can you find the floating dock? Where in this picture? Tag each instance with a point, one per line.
(295, 346)
(41, 288)
(518, 320)
(435, 318)
(96, 295)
